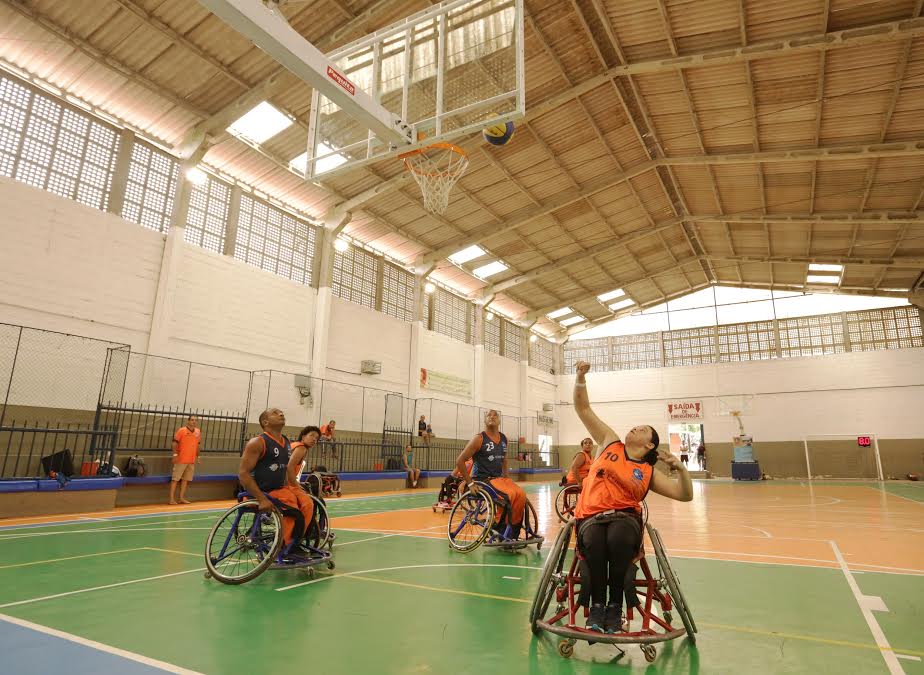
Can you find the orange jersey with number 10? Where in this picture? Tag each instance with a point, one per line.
(615, 481)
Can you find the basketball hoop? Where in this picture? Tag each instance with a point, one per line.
(436, 168)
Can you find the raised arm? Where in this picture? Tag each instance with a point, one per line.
(598, 430)
(681, 488)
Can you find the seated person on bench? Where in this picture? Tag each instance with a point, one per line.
(608, 514)
(264, 473)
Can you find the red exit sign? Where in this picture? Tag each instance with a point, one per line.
(864, 441)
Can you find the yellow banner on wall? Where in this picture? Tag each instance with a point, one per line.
(445, 383)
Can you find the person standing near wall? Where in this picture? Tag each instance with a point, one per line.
(186, 442)
(328, 442)
(701, 456)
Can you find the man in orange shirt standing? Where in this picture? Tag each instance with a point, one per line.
(185, 453)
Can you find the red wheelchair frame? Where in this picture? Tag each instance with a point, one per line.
(649, 590)
(566, 501)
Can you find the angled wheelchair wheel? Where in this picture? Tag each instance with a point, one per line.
(547, 583)
(673, 585)
(470, 521)
(531, 522)
(319, 532)
(243, 543)
(566, 502)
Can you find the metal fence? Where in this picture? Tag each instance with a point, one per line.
(23, 446)
(95, 397)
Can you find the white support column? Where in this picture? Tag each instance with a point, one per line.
(320, 333)
(478, 357)
(164, 299)
(234, 218)
(418, 326)
(524, 377)
(120, 173)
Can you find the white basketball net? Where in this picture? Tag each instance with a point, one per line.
(436, 169)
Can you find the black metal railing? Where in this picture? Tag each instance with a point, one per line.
(88, 451)
(152, 428)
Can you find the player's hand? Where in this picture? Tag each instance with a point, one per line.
(582, 368)
(670, 459)
(473, 488)
(264, 505)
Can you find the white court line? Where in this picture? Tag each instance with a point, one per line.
(909, 657)
(766, 534)
(70, 637)
(895, 668)
(512, 578)
(73, 557)
(96, 588)
(410, 533)
(401, 567)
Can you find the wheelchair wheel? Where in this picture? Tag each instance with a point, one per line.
(673, 585)
(319, 532)
(243, 543)
(566, 502)
(553, 565)
(530, 521)
(470, 521)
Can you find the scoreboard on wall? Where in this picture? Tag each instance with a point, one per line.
(864, 441)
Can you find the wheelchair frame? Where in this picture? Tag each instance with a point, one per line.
(564, 506)
(268, 549)
(451, 501)
(565, 588)
(480, 510)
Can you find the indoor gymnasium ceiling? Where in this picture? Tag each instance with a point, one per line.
(668, 144)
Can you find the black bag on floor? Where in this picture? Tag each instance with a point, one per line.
(134, 467)
(60, 462)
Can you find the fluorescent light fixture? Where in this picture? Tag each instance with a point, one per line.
(559, 312)
(196, 176)
(341, 244)
(429, 287)
(818, 267)
(533, 337)
(490, 269)
(622, 304)
(821, 279)
(571, 320)
(261, 123)
(328, 159)
(612, 294)
(895, 290)
(466, 254)
(489, 316)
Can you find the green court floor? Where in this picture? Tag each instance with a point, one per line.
(408, 604)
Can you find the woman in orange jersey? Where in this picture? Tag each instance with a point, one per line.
(608, 514)
(580, 466)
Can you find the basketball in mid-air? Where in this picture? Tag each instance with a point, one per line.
(499, 134)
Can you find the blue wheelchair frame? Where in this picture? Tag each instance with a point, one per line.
(484, 516)
(274, 554)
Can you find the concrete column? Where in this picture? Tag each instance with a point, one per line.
(324, 270)
(164, 299)
(234, 218)
(478, 357)
(120, 173)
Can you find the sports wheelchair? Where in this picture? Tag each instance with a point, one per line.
(322, 484)
(641, 624)
(566, 500)
(449, 491)
(245, 542)
(483, 518)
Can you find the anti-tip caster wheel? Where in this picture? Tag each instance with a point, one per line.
(566, 648)
(207, 575)
(538, 545)
(339, 493)
(650, 652)
(331, 564)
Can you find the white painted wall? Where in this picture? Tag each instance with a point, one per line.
(73, 269)
(857, 393)
(70, 268)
